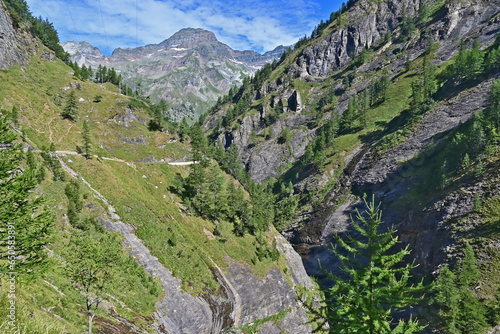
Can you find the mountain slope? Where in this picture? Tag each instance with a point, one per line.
(211, 282)
(190, 70)
(320, 121)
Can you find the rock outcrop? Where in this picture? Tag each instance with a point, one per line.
(15, 44)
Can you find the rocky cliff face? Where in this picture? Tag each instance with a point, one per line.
(16, 45)
(190, 70)
(368, 25)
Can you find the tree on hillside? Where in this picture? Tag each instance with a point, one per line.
(90, 260)
(375, 282)
(460, 311)
(199, 144)
(468, 63)
(75, 203)
(492, 113)
(183, 130)
(285, 205)
(158, 114)
(70, 110)
(25, 224)
(86, 139)
(349, 117)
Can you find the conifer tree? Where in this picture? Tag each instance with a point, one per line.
(375, 282)
(448, 298)
(238, 211)
(429, 79)
(262, 207)
(459, 310)
(493, 111)
(183, 130)
(347, 123)
(71, 108)
(199, 144)
(472, 317)
(286, 204)
(87, 140)
(25, 224)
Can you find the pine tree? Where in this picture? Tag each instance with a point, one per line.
(238, 211)
(199, 144)
(71, 108)
(183, 130)
(262, 207)
(286, 204)
(347, 123)
(375, 283)
(474, 61)
(492, 113)
(75, 204)
(448, 298)
(87, 140)
(429, 79)
(472, 317)
(460, 311)
(25, 224)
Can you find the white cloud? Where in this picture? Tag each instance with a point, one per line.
(259, 25)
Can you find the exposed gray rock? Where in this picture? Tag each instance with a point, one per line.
(368, 23)
(134, 141)
(274, 295)
(127, 118)
(14, 43)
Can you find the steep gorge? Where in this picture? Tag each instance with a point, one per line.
(372, 40)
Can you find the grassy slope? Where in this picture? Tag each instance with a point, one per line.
(137, 190)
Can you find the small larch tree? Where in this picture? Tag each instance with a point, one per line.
(375, 282)
(459, 309)
(86, 139)
(70, 110)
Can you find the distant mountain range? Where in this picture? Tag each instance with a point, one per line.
(190, 70)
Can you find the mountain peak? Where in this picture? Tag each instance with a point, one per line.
(189, 37)
(81, 48)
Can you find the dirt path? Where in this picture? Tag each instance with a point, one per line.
(175, 163)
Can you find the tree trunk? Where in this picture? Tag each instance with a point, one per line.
(91, 318)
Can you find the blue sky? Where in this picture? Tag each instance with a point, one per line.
(258, 25)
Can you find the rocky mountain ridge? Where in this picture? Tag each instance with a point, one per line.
(190, 70)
